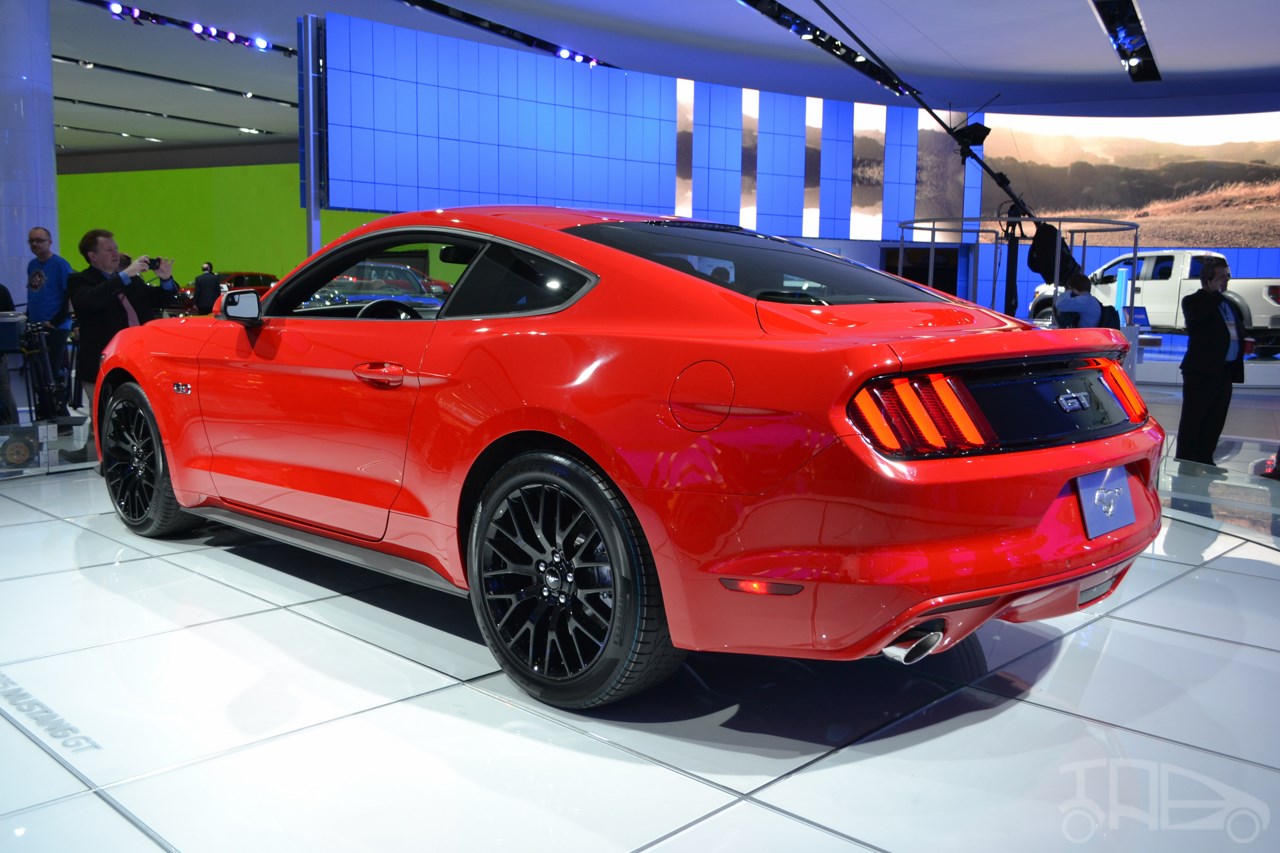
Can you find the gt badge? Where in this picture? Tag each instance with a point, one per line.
(1073, 401)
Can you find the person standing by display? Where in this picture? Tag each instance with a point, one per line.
(1216, 347)
(1078, 308)
(206, 288)
(108, 299)
(47, 275)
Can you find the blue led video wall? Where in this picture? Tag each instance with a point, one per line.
(417, 120)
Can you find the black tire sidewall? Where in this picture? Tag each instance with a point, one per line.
(585, 688)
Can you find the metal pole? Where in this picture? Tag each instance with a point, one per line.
(311, 99)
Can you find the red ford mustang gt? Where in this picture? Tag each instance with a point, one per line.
(624, 436)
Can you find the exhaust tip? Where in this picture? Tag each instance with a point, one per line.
(913, 648)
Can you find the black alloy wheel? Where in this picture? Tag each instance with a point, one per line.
(135, 468)
(564, 586)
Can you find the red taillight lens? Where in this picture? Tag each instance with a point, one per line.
(922, 415)
(1124, 389)
(1273, 293)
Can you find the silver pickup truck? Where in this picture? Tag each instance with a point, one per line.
(1163, 278)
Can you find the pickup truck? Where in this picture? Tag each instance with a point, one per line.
(1163, 278)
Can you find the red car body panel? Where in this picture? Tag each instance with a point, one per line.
(721, 419)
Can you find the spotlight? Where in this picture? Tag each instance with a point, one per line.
(231, 37)
(198, 29)
(115, 9)
(564, 53)
(971, 135)
(213, 32)
(577, 57)
(261, 44)
(248, 94)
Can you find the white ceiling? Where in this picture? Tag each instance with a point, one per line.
(1038, 56)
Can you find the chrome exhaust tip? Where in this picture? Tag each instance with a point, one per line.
(913, 648)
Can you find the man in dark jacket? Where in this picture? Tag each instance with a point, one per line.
(1216, 347)
(206, 289)
(107, 299)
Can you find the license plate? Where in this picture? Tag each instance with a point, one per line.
(1105, 501)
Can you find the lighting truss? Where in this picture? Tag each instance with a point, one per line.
(1122, 22)
(504, 31)
(204, 32)
(862, 61)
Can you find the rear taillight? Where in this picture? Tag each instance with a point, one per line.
(1124, 389)
(984, 410)
(923, 415)
(1273, 293)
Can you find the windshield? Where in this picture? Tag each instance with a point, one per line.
(753, 264)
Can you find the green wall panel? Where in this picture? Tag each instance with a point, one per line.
(238, 217)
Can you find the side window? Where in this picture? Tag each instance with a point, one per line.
(505, 280)
(387, 277)
(1158, 268)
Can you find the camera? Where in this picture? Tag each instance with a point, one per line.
(153, 262)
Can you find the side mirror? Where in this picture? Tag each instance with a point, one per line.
(242, 306)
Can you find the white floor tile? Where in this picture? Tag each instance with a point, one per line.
(979, 773)
(1194, 690)
(750, 828)
(63, 495)
(81, 823)
(1227, 605)
(433, 628)
(281, 574)
(1250, 559)
(48, 614)
(12, 512)
(1188, 544)
(56, 546)
(158, 701)
(743, 722)
(28, 775)
(455, 770)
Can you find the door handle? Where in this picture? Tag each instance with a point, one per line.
(380, 374)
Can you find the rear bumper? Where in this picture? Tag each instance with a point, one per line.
(874, 549)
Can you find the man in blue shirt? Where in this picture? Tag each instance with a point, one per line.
(1078, 308)
(47, 303)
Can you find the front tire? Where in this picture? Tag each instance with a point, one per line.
(564, 587)
(135, 467)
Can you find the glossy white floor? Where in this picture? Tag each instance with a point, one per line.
(222, 693)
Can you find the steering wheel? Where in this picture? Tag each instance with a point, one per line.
(388, 309)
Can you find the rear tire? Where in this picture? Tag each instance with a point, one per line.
(135, 467)
(564, 587)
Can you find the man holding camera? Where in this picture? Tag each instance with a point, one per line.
(106, 299)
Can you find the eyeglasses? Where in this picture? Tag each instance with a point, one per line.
(37, 239)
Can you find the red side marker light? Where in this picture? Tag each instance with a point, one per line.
(759, 587)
